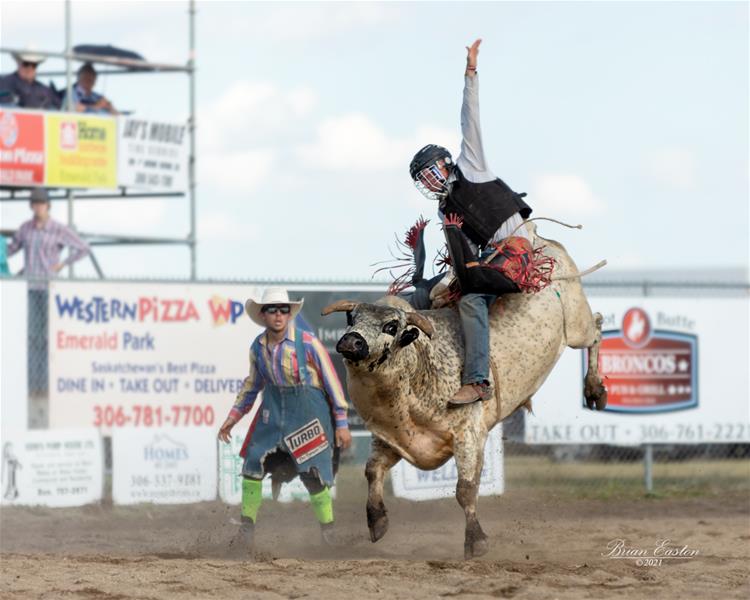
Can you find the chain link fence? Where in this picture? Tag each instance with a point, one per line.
(587, 471)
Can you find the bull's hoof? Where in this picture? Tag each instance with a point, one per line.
(377, 522)
(477, 547)
(475, 541)
(601, 401)
(596, 396)
(378, 529)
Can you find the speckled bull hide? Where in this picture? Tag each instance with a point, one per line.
(403, 367)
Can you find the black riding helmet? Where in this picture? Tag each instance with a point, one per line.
(427, 156)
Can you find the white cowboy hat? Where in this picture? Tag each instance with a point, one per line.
(28, 56)
(271, 295)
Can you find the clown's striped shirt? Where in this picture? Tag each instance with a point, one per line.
(278, 366)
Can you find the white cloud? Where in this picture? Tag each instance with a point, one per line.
(564, 195)
(354, 142)
(238, 172)
(250, 112)
(672, 167)
(295, 22)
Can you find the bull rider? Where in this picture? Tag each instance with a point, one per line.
(483, 220)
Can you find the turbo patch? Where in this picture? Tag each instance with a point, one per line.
(308, 441)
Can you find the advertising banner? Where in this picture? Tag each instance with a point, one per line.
(156, 355)
(21, 148)
(163, 466)
(146, 355)
(81, 151)
(676, 372)
(52, 468)
(152, 155)
(414, 484)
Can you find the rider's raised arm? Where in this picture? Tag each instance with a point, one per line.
(471, 160)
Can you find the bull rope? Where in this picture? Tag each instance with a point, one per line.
(577, 274)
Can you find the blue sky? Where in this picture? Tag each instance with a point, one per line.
(628, 117)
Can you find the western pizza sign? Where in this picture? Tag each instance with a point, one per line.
(648, 370)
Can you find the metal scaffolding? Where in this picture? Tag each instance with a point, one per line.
(122, 66)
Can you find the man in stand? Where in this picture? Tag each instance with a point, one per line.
(42, 239)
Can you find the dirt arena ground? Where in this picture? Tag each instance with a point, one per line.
(543, 546)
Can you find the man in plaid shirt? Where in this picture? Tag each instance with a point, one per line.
(42, 239)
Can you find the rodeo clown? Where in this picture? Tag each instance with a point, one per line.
(479, 213)
(301, 416)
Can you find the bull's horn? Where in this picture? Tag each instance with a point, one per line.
(423, 323)
(339, 306)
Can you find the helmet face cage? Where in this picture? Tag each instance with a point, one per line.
(431, 182)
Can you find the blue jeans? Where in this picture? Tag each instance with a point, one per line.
(285, 411)
(473, 310)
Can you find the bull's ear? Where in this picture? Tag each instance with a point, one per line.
(408, 336)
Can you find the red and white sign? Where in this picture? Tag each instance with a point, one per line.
(68, 135)
(636, 328)
(308, 441)
(648, 370)
(676, 372)
(21, 148)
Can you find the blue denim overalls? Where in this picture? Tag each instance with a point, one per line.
(295, 419)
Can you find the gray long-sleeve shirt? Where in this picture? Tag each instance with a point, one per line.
(472, 161)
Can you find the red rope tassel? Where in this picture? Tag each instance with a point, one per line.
(529, 268)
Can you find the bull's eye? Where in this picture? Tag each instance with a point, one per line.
(391, 327)
(349, 320)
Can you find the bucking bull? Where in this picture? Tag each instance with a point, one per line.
(404, 365)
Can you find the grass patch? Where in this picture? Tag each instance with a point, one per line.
(608, 480)
(597, 480)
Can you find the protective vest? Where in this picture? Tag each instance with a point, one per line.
(484, 207)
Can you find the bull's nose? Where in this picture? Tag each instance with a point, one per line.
(353, 346)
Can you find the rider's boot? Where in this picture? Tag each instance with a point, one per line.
(471, 392)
